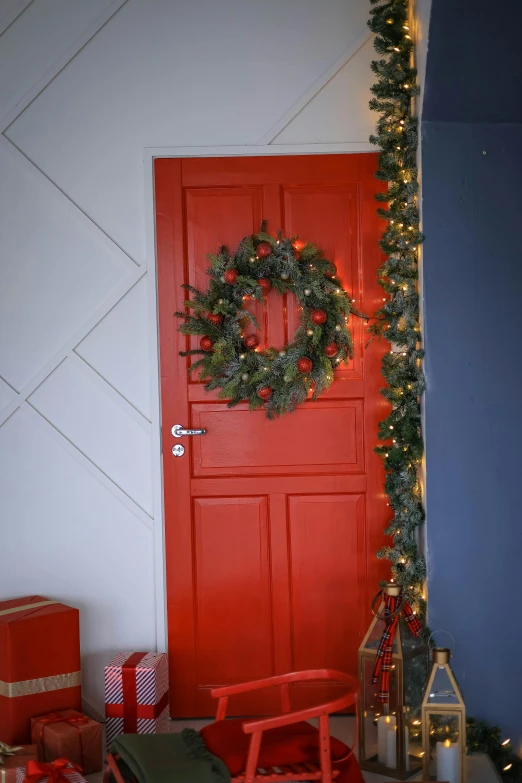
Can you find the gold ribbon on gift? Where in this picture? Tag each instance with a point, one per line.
(54, 682)
(36, 605)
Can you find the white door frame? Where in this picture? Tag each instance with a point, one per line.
(149, 155)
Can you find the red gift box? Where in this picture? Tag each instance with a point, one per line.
(19, 758)
(136, 694)
(39, 662)
(69, 734)
(59, 771)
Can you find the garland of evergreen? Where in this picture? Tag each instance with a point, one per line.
(398, 320)
(278, 379)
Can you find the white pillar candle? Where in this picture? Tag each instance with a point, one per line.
(391, 747)
(448, 761)
(383, 725)
(407, 748)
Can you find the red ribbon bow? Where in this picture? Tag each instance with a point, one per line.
(383, 661)
(55, 771)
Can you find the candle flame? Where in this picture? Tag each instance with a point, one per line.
(447, 743)
(388, 719)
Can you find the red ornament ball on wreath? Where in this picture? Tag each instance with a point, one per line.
(215, 318)
(251, 341)
(206, 343)
(264, 284)
(331, 272)
(331, 349)
(265, 393)
(230, 276)
(318, 317)
(304, 365)
(263, 249)
(297, 254)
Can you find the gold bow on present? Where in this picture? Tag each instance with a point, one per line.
(7, 750)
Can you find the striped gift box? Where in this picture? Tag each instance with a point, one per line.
(136, 694)
(69, 773)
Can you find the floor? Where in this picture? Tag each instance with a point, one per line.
(480, 768)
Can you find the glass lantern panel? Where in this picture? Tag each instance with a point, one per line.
(414, 684)
(374, 712)
(444, 745)
(442, 690)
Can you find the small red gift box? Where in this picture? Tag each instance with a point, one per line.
(39, 662)
(59, 771)
(19, 758)
(69, 734)
(136, 694)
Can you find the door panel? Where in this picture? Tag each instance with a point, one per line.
(271, 526)
(307, 440)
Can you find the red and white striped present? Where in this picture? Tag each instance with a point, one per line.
(136, 694)
(58, 771)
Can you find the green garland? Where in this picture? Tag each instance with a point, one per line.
(278, 379)
(398, 320)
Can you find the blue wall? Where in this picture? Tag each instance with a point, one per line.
(472, 216)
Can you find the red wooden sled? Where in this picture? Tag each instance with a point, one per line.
(325, 769)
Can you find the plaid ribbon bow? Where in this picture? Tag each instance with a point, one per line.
(383, 661)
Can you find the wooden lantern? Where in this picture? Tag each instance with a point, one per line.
(389, 733)
(443, 723)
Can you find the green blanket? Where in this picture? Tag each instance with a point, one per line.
(176, 758)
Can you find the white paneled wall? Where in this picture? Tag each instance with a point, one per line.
(85, 87)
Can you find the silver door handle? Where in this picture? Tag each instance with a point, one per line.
(178, 431)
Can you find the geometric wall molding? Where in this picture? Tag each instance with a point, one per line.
(102, 426)
(52, 46)
(39, 421)
(353, 78)
(56, 269)
(314, 90)
(118, 348)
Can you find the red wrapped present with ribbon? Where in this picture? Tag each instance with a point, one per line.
(136, 694)
(39, 662)
(69, 734)
(11, 758)
(58, 771)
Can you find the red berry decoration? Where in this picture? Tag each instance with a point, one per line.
(331, 349)
(331, 272)
(265, 393)
(215, 318)
(206, 343)
(263, 249)
(304, 365)
(230, 276)
(318, 317)
(264, 284)
(251, 341)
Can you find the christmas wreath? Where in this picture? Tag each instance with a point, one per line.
(277, 378)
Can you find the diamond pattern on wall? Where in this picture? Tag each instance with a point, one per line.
(56, 269)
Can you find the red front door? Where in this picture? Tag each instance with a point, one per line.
(271, 526)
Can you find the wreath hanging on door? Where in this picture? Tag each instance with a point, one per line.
(277, 378)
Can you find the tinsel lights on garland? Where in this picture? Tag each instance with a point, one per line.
(398, 320)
